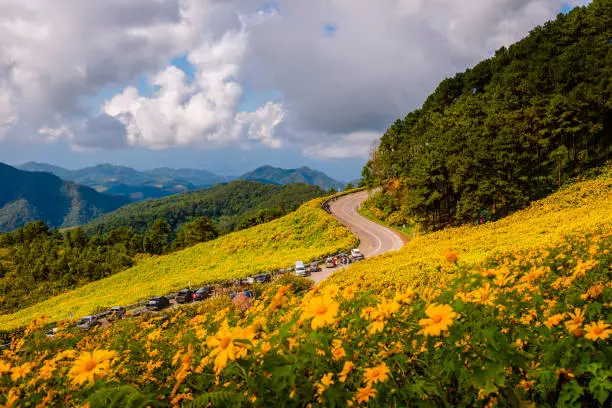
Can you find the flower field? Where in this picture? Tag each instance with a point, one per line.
(515, 313)
(307, 234)
(527, 328)
(579, 207)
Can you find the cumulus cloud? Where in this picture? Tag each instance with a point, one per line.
(340, 87)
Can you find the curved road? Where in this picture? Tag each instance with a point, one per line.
(374, 238)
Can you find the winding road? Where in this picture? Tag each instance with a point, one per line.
(374, 238)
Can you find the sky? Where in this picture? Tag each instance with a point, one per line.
(230, 85)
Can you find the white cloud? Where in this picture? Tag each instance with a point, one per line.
(352, 145)
(339, 91)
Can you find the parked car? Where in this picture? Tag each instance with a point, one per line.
(158, 303)
(329, 263)
(87, 322)
(203, 293)
(356, 254)
(116, 312)
(300, 270)
(314, 266)
(184, 296)
(262, 278)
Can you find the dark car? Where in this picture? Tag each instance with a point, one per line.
(203, 293)
(158, 303)
(116, 312)
(184, 296)
(264, 277)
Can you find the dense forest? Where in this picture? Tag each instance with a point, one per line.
(231, 206)
(37, 262)
(510, 130)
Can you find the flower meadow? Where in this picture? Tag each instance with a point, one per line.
(490, 321)
(308, 234)
(526, 328)
(578, 207)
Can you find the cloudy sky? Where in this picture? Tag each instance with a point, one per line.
(228, 85)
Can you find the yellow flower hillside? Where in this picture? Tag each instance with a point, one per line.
(307, 234)
(579, 207)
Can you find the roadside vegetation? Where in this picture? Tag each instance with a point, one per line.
(523, 320)
(306, 234)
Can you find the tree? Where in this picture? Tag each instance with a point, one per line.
(156, 240)
(349, 186)
(201, 229)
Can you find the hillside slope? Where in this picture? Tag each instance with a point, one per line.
(307, 234)
(529, 326)
(28, 196)
(578, 207)
(275, 175)
(508, 131)
(226, 204)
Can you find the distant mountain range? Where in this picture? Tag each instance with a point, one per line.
(275, 175)
(29, 196)
(139, 185)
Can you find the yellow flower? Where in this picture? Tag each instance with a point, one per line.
(322, 310)
(21, 371)
(5, 367)
(348, 367)
(576, 320)
(91, 364)
(597, 331)
(338, 353)
(223, 346)
(440, 318)
(554, 320)
(376, 374)
(483, 295)
(364, 394)
(449, 256)
(325, 383)
(11, 398)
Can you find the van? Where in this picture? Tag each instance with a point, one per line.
(300, 270)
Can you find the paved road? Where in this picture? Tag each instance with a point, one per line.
(374, 238)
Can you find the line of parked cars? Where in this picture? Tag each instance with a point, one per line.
(157, 303)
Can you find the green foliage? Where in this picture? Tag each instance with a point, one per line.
(226, 204)
(509, 130)
(201, 229)
(120, 397)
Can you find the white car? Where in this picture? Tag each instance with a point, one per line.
(300, 270)
(356, 255)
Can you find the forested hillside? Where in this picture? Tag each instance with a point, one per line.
(236, 205)
(28, 196)
(510, 130)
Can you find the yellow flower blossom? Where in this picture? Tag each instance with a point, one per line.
(440, 318)
(576, 320)
(364, 394)
(597, 331)
(325, 383)
(322, 310)
(348, 367)
(90, 365)
(376, 374)
(554, 320)
(21, 371)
